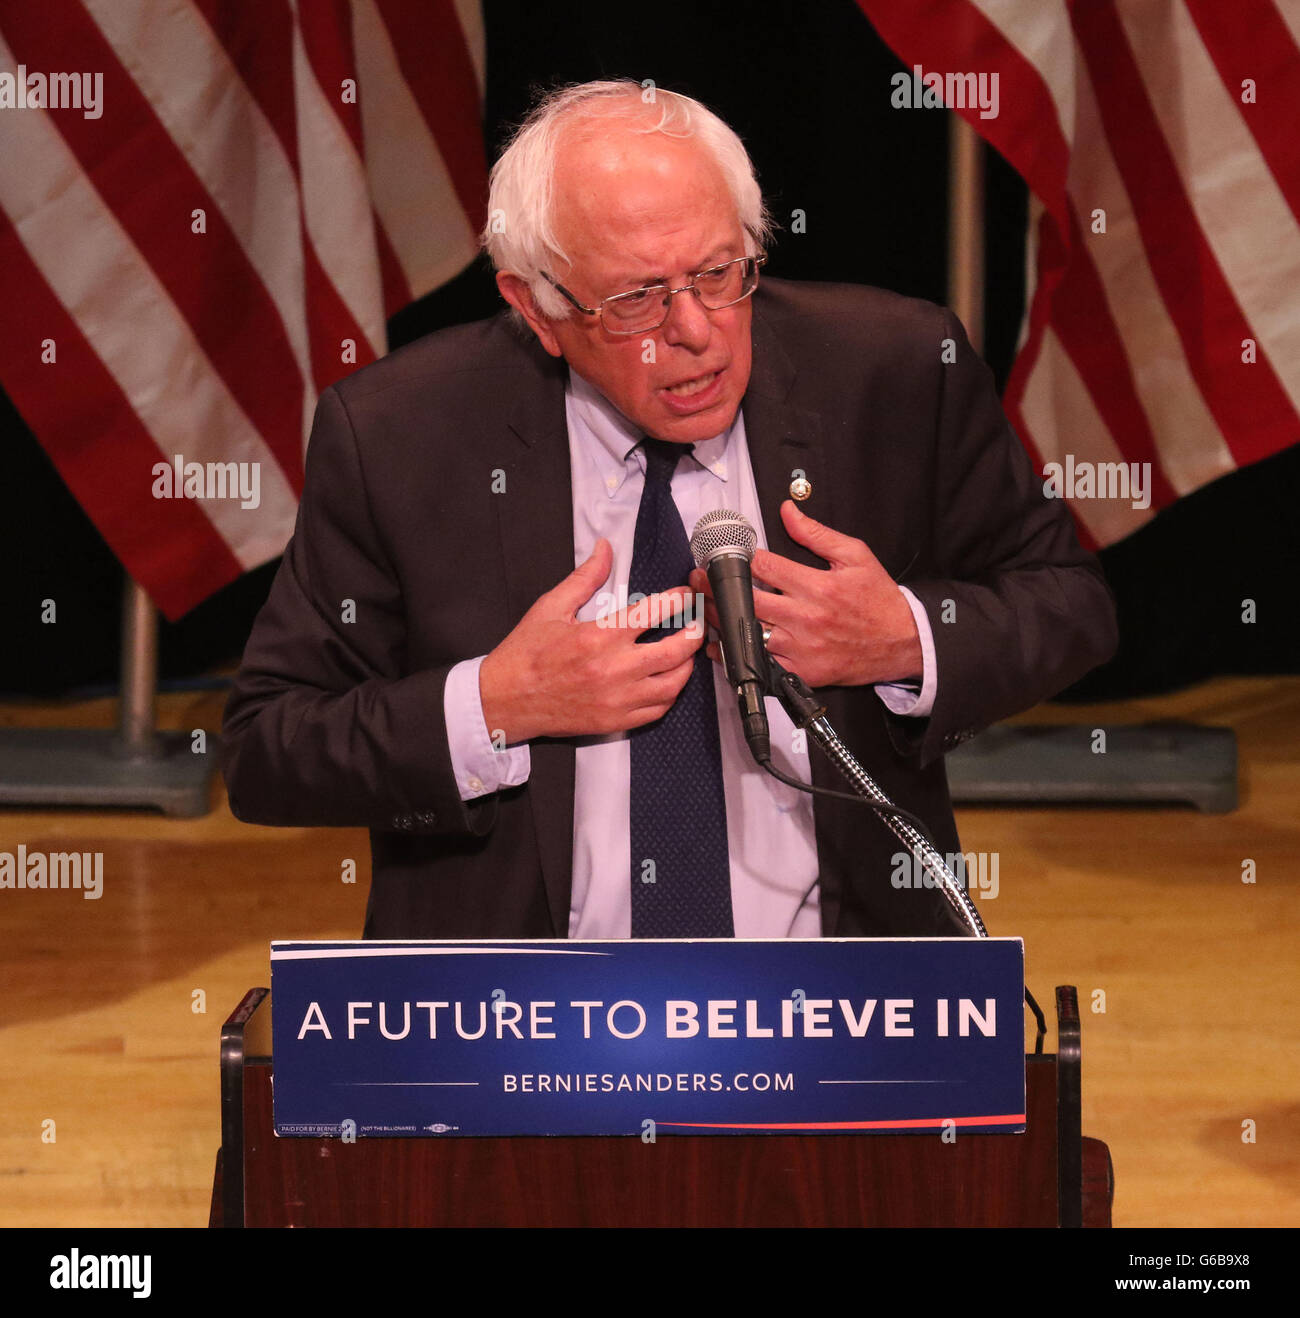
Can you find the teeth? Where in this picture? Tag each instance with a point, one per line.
(692, 386)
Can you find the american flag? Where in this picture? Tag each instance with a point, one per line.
(1170, 336)
(211, 227)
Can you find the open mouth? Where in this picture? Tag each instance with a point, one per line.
(690, 387)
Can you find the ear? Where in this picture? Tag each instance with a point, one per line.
(520, 296)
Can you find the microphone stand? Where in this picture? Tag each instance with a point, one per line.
(801, 705)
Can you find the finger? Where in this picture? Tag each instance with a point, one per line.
(653, 610)
(834, 546)
(638, 718)
(665, 687)
(584, 581)
(675, 649)
(784, 573)
(699, 580)
(655, 698)
(771, 610)
(663, 609)
(786, 611)
(777, 643)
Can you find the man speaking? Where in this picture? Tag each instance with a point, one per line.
(453, 653)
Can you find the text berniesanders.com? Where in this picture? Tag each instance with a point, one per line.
(682, 1082)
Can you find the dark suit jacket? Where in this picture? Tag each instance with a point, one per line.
(404, 561)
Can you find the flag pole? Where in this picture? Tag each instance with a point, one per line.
(137, 715)
(133, 765)
(966, 227)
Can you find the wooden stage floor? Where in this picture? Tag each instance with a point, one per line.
(99, 1031)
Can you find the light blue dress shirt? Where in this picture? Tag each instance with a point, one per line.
(770, 836)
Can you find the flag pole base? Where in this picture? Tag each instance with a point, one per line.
(59, 767)
(1141, 764)
(133, 766)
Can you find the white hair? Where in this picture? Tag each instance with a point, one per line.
(520, 232)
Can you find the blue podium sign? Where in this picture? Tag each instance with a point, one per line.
(621, 1037)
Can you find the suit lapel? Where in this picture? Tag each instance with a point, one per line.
(785, 437)
(535, 519)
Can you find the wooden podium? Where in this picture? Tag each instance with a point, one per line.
(1049, 1176)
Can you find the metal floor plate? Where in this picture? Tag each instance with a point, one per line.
(1148, 763)
(85, 767)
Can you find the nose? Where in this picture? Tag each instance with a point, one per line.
(688, 324)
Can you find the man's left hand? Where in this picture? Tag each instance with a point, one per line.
(849, 625)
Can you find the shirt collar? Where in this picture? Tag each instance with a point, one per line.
(610, 440)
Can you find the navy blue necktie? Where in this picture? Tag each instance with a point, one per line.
(681, 876)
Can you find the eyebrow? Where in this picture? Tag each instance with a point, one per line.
(709, 262)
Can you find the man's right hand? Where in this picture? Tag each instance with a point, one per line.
(554, 676)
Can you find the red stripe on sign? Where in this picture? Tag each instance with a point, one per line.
(1248, 39)
(435, 62)
(1082, 319)
(922, 1123)
(101, 449)
(946, 37)
(270, 81)
(1247, 401)
(147, 183)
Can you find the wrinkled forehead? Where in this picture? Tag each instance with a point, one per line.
(623, 195)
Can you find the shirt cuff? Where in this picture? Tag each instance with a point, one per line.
(904, 697)
(477, 764)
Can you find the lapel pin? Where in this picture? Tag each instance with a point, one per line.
(800, 488)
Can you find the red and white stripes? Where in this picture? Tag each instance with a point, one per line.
(1177, 121)
(335, 153)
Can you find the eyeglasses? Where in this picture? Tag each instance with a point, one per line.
(647, 308)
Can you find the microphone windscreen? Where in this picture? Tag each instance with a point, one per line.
(722, 532)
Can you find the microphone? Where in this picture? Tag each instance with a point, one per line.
(723, 544)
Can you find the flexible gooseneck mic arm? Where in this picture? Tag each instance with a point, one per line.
(800, 703)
